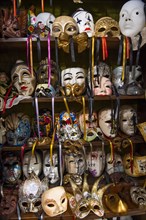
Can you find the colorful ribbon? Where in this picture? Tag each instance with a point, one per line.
(49, 61)
(14, 8)
(83, 101)
(42, 5)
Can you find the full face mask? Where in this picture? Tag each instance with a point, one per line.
(30, 192)
(84, 21)
(105, 122)
(54, 201)
(107, 27)
(132, 18)
(11, 168)
(68, 127)
(138, 196)
(73, 81)
(32, 163)
(51, 171)
(23, 80)
(127, 120)
(18, 129)
(44, 22)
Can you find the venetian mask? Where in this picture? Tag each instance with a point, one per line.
(23, 80)
(107, 27)
(105, 122)
(138, 196)
(30, 192)
(68, 127)
(32, 163)
(127, 120)
(51, 171)
(18, 129)
(84, 21)
(64, 24)
(73, 81)
(54, 201)
(11, 168)
(132, 18)
(135, 168)
(96, 162)
(44, 22)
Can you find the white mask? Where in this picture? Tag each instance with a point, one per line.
(32, 163)
(54, 201)
(84, 21)
(127, 119)
(132, 18)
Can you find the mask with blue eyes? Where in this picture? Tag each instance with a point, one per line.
(84, 21)
(18, 129)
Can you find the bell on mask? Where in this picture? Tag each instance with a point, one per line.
(54, 201)
(73, 81)
(132, 18)
(138, 196)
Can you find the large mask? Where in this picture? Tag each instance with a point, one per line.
(44, 23)
(54, 201)
(32, 163)
(107, 27)
(68, 127)
(11, 168)
(23, 80)
(84, 21)
(30, 192)
(64, 24)
(105, 122)
(51, 170)
(138, 196)
(135, 168)
(132, 18)
(73, 81)
(127, 120)
(18, 129)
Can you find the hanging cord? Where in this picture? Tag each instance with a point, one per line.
(60, 163)
(38, 48)
(57, 62)
(37, 116)
(18, 212)
(72, 49)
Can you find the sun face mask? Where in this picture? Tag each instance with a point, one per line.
(132, 18)
(73, 81)
(138, 196)
(127, 120)
(54, 201)
(84, 21)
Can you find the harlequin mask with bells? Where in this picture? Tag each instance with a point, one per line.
(138, 196)
(51, 170)
(12, 169)
(101, 79)
(138, 165)
(73, 81)
(84, 21)
(18, 129)
(132, 18)
(30, 192)
(32, 163)
(82, 202)
(107, 27)
(89, 126)
(22, 78)
(54, 201)
(127, 120)
(68, 127)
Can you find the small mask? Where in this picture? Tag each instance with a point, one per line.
(127, 120)
(54, 201)
(132, 18)
(66, 129)
(18, 129)
(64, 24)
(139, 165)
(105, 122)
(107, 27)
(51, 171)
(84, 21)
(23, 80)
(138, 196)
(73, 80)
(32, 163)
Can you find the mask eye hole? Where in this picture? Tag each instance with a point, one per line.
(96, 207)
(38, 203)
(51, 205)
(83, 208)
(101, 30)
(63, 200)
(24, 204)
